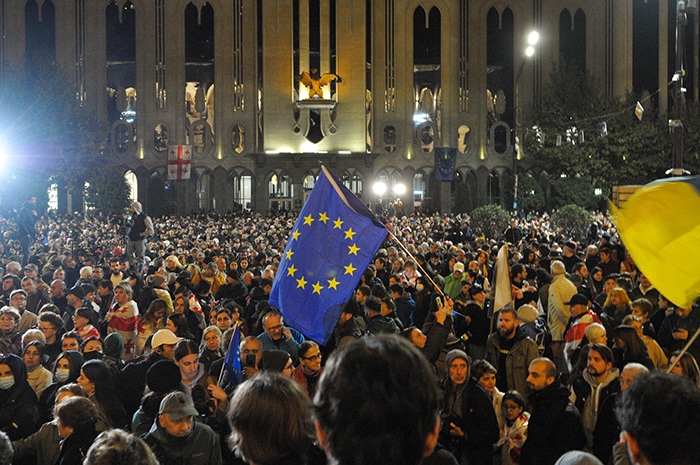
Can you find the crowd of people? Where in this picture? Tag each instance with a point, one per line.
(114, 332)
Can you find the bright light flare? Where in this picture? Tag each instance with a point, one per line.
(533, 38)
(399, 189)
(379, 188)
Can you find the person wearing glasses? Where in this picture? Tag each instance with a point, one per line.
(18, 301)
(51, 326)
(10, 338)
(280, 337)
(309, 370)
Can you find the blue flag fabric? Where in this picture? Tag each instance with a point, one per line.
(332, 243)
(445, 161)
(232, 362)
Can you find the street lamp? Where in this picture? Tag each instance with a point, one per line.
(532, 40)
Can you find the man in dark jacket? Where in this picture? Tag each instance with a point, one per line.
(141, 228)
(469, 421)
(555, 424)
(590, 390)
(177, 439)
(378, 323)
(511, 351)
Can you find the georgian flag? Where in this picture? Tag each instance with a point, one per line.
(179, 162)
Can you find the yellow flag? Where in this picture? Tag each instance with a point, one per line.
(660, 226)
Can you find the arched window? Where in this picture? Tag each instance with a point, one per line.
(418, 189)
(499, 62)
(426, 64)
(309, 181)
(204, 197)
(133, 183)
(120, 25)
(199, 64)
(280, 186)
(572, 40)
(40, 35)
(353, 181)
(242, 191)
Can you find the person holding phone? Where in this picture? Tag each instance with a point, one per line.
(280, 337)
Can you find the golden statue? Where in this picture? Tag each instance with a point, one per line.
(315, 81)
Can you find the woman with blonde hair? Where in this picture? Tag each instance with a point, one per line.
(617, 305)
(123, 318)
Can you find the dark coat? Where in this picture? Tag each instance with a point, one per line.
(19, 410)
(607, 430)
(478, 421)
(75, 447)
(555, 426)
(582, 390)
(132, 382)
(380, 324)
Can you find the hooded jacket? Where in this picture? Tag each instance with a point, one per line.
(588, 396)
(477, 416)
(555, 426)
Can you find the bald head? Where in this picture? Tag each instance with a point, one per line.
(541, 373)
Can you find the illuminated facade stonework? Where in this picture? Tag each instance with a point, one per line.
(220, 76)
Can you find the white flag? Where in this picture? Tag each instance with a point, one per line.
(503, 294)
(179, 162)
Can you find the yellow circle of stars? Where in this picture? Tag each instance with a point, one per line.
(352, 250)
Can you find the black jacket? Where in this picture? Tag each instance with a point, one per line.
(555, 426)
(478, 421)
(75, 447)
(19, 410)
(380, 324)
(132, 382)
(582, 389)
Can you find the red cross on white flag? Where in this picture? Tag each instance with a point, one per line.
(179, 161)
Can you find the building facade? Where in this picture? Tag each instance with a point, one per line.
(221, 76)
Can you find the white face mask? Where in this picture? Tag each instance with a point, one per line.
(419, 287)
(7, 383)
(62, 375)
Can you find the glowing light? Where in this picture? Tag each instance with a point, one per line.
(530, 51)
(379, 188)
(533, 38)
(344, 152)
(419, 118)
(308, 147)
(399, 189)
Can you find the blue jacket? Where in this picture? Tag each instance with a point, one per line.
(291, 346)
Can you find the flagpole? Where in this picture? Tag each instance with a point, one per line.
(425, 273)
(223, 366)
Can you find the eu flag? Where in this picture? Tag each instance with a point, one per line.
(232, 362)
(445, 161)
(332, 243)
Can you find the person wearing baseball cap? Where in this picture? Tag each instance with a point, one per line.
(453, 282)
(133, 377)
(176, 438)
